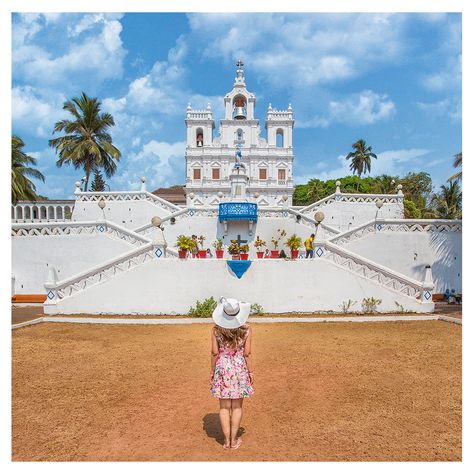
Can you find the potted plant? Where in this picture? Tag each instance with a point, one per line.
(259, 244)
(244, 252)
(218, 245)
(294, 242)
(234, 250)
(184, 244)
(202, 251)
(275, 241)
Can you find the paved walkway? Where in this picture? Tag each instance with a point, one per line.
(21, 315)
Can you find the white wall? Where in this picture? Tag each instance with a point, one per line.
(409, 252)
(165, 286)
(69, 254)
(347, 215)
(129, 214)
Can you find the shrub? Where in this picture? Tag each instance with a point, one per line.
(276, 240)
(293, 242)
(184, 242)
(369, 305)
(244, 248)
(218, 244)
(204, 309)
(255, 308)
(347, 305)
(259, 243)
(233, 248)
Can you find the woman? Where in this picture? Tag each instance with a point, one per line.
(231, 365)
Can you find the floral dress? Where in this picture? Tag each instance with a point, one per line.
(231, 377)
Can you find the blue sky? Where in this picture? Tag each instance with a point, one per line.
(392, 79)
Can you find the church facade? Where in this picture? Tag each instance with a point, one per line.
(239, 164)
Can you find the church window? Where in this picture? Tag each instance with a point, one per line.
(281, 175)
(279, 138)
(197, 173)
(262, 173)
(216, 173)
(240, 134)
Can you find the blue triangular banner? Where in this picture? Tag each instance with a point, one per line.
(239, 267)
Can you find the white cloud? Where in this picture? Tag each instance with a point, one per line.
(364, 108)
(301, 49)
(450, 107)
(161, 162)
(97, 56)
(33, 114)
(391, 162)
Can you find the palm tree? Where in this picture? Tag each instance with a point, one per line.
(22, 187)
(457, 163)
(87, 143)
(447, 204)
(360, 158)
(315, 190)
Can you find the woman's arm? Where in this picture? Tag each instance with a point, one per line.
(248, 353)
(214, 351)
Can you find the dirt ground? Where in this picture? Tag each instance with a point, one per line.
(324, 392)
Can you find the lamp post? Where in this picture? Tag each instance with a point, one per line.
(318, 217)
(379, 204)
(159, 237)
(101, 204)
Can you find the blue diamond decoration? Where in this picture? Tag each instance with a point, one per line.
(191, 212)
(379, 226)
(101, 228)
(50, 295)
(427, 295)
(158, 252)
(319, 251)
(285, 214)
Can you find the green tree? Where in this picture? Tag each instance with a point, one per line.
(22, 187)
(87, 143)
(315, 190)
(361, 158)
(457, 163)
(447, 204)
(98, 183)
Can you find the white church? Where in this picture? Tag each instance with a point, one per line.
(115, 252)
(265, 174)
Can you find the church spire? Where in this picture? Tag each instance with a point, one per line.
(240, 79)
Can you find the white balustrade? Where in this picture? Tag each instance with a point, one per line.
(42, 211)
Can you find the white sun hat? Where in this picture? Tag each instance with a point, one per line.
(231, 313)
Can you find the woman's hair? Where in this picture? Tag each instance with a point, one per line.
(231, 338)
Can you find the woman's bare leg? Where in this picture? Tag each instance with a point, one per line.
(236, 418)
(224, 416)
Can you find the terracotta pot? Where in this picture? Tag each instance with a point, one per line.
(219, 253)
(202, 254)
(275, 253)
(244, 256)
(182, 253)
(259, 254)
(294, 253)
(235, 257)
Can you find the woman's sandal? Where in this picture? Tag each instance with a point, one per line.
(237, 444)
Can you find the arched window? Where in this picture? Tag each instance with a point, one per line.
(239, 134)
(279, 138)
(19, 212)
(59, 212)
(51, 212)
(28, 212)
(199, 137)
(43, 214)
